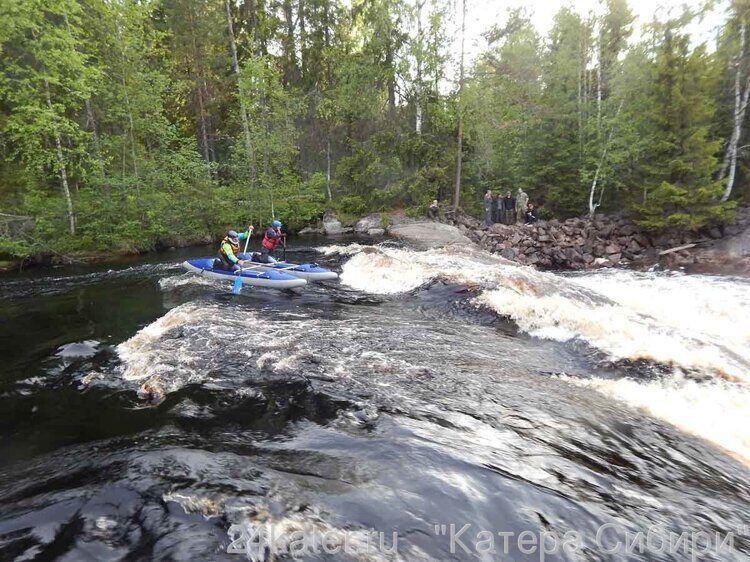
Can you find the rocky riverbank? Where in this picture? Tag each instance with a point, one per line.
(606, 241)
(572, 244)
(375, 224)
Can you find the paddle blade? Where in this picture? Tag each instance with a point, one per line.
(237, 285)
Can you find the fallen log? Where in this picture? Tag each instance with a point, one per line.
(676, 249)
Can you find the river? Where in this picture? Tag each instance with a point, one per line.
(149, 414)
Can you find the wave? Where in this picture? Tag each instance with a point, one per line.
(694, 323)
(189, 279)
(716, 411)
(696, 328)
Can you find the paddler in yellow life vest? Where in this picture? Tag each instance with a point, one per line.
(230, 249)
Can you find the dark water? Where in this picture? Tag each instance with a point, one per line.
(143, 413)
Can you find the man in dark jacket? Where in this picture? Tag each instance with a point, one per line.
(496, 201)
(509, 208)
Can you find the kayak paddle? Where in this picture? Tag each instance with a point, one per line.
(237, 287)
(247, 240)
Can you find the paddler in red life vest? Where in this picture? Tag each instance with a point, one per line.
(230, 249)
(272, 238)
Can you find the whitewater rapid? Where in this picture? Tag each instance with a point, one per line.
(689, 333)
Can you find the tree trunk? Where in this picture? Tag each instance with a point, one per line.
(459, 148)
(581, 71)
(61, 166)
(418, 85)
(203, 130)
(328, 165)
(201, 108)
(740, 106)
(302, 39)
(243, 111)
(132, 139)
(391, 77)
(593, 206)
(91, 124)
(599, 87)
(291, 73)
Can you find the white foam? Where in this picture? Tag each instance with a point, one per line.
(711, 308)
(169, 283)
(382, 274)
(388, 270)
(716, 411)
(348, 250)
(620, 332)
(693, 324)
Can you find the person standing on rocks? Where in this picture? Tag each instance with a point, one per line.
(488, 208)
(531, 216)
(496, 204)
(509, 208)
(522, 201)
(433, 210)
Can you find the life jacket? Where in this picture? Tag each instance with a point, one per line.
(235, 249)
(271, 243)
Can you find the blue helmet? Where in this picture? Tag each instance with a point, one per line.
(232, 235)
(276, 224)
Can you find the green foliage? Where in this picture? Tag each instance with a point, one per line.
(122, 119)
(300, 203)
(14, 248)
(673, 207)
(352, 205)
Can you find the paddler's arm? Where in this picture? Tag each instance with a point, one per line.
(245, 235)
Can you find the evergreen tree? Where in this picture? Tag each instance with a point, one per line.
(680, 189)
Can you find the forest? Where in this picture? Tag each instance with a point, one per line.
(128, 125)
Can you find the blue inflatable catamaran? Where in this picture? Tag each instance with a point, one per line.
(280, 275)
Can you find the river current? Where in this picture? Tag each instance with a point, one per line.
(430, 405)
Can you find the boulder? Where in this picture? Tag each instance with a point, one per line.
(375, 232)
(634, 247)
(612, 249)
(501, 229)
(398, 218)
(332, 225)
(368, 223)
(428, 234)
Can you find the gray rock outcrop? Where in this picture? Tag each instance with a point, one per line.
(428, 234)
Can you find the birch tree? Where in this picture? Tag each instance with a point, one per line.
(240, 95)
(45, 82)
(741, 93)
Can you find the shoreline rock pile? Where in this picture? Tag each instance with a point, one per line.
(571, 244)
(605, 241)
